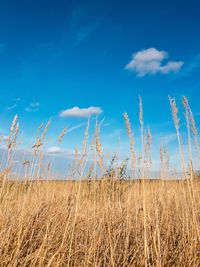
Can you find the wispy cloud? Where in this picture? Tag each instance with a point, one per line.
(16, 101)
(76, 127)
(81, 112)
(106, 124)
(84, 32)
(80, 27)
(11, 107)
(192, 66)
(28, 109)
(33, 107)
(149, 61)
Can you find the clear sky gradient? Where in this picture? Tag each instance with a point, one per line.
(57, 55)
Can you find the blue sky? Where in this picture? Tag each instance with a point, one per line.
(57, 55)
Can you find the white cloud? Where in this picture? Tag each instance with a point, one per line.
(149, 61)
(171, 66)
(54, 150)
(34, 104)
(11, 107)
(168, 138)
(81, 112)
(33, 107)
(28, 109)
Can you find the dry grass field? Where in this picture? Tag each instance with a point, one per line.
(104, 221)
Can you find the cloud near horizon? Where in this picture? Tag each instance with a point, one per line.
(81, 112)
(55, 150)
(149, 61)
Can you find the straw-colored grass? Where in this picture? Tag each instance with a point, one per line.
(103, 217)
(99, 223)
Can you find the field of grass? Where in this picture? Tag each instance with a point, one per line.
(100, 223)
(117, 218)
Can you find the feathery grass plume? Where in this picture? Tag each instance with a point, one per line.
(11, 140)
(39, 129)
(15, 134)
(97, 141)
(13, 137)
(98, 146)
(61, 136)
(82, 162)
(187, 114)
(141, 120)
(186, 107)
(149, 144)
(174, 111)
(46, 129)
(40, 140)
(194, 132)
(131, 142)
(14, 122)
(37, 148)
(85, 140)
(94, 157)
(147, 151)
(37, 145)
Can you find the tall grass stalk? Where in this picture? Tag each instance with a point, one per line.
(141, 120)
(131, 143)
(174, 111)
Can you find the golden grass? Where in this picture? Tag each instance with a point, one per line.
(99, 223)
(98, 219)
